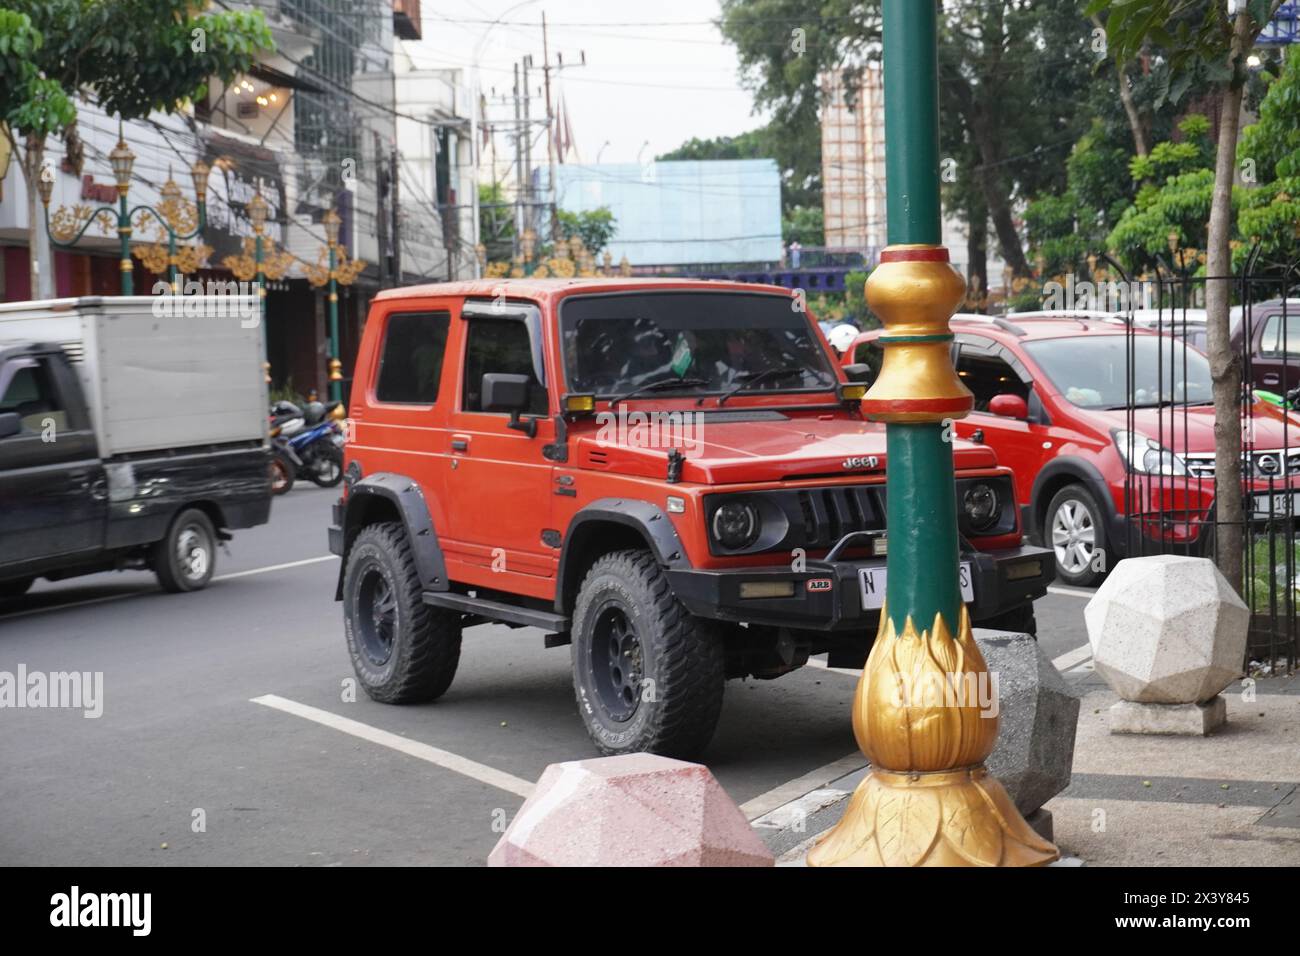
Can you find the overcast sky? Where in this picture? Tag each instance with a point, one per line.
(655, 71)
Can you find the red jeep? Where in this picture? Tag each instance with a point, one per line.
(672, 476)
(1051, 398)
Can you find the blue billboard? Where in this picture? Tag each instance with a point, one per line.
(682, 212)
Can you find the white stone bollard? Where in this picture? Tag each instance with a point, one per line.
(1168, 633)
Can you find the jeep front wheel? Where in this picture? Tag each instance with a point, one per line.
(648, 676)
(403, 650)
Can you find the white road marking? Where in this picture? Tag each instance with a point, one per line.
(275, 567)
(1072, 659)
(818, 662)
(767, 802)
(412, 748)
(127, 594)
(1070, 592)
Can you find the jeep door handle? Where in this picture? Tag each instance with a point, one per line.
(460, 444)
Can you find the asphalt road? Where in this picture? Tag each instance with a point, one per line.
(184, 768)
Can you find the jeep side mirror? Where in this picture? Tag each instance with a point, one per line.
(10, 424)
(1009, 406)
(859, 372)
(503, 392)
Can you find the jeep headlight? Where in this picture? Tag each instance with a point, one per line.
(983, 509)
(735, 525)
(1146, 456)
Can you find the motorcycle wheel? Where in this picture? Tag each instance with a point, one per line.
(283, 473)
(326, 468)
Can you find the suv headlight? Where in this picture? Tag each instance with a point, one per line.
(983, 509)
(1147, 456)
(735, 525)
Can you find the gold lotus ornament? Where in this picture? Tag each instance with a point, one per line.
(922, 718)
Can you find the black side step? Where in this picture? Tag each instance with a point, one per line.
(497, 611)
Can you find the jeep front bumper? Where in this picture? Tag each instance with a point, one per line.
(828, 595)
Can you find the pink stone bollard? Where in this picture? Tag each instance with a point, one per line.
(633, 810)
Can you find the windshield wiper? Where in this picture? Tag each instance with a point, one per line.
(753, 378)
(662, 385)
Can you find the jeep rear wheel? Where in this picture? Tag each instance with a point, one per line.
(648, 676)
(403, 650)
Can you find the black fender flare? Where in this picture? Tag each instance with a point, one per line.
(647, 519)
(407, 497)
(1082, 472)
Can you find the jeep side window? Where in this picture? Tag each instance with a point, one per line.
(500, 345)
(29, 391)
(410, 364)
(988, 375)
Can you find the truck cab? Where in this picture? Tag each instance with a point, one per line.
(673, 478)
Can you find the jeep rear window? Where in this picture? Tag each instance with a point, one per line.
(410, 365)
(615, 344)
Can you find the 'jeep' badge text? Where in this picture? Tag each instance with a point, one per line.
(870, 461)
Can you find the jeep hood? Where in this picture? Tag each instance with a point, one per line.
(739, 450)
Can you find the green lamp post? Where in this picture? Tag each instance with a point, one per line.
(337, 269)
(918, 713)
(66, 227)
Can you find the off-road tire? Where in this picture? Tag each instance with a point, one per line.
(1018, 619)
(683, 656)
(382, 588)
(191, 531)
(1086, 576)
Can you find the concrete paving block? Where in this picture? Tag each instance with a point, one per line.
(632, 810)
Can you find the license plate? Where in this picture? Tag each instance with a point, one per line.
(1275, 506)
(872, 582)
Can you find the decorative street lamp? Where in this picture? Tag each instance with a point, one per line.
(340, 269)
(259, 258)
(178, 218)
(928, 800)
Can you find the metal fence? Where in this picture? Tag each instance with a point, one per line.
(1171, 488)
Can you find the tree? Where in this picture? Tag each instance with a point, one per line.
(1218, 35)
(595, 227)
(134, 56)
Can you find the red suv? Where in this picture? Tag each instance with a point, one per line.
(1051, 398)
(673, 477)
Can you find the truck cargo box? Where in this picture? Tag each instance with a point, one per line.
(159, 372)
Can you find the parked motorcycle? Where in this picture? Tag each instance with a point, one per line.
(1290, 401)
(310, 439)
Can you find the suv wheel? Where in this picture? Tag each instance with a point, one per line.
(648, 675)
(185, 557)
(1076, 534)
(403, 650)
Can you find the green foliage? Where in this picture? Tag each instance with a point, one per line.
(135, 56)
(804, 225)
(496, 222)
(596, 227)
(1270, 213)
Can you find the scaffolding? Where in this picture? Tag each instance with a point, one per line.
(853, 159)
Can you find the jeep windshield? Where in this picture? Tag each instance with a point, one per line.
(1090, 371)
(715, 343)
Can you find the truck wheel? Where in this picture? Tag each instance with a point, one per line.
(403, 650)
(15, 588)
(1076, 534)
(648, 675)
(185, 557)
(1018, 619)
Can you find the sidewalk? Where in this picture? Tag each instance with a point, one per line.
(1231, 799)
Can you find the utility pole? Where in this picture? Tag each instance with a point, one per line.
(520, 132)
(526, 131)
(937, 804)
(552, 127)
(395, 211)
